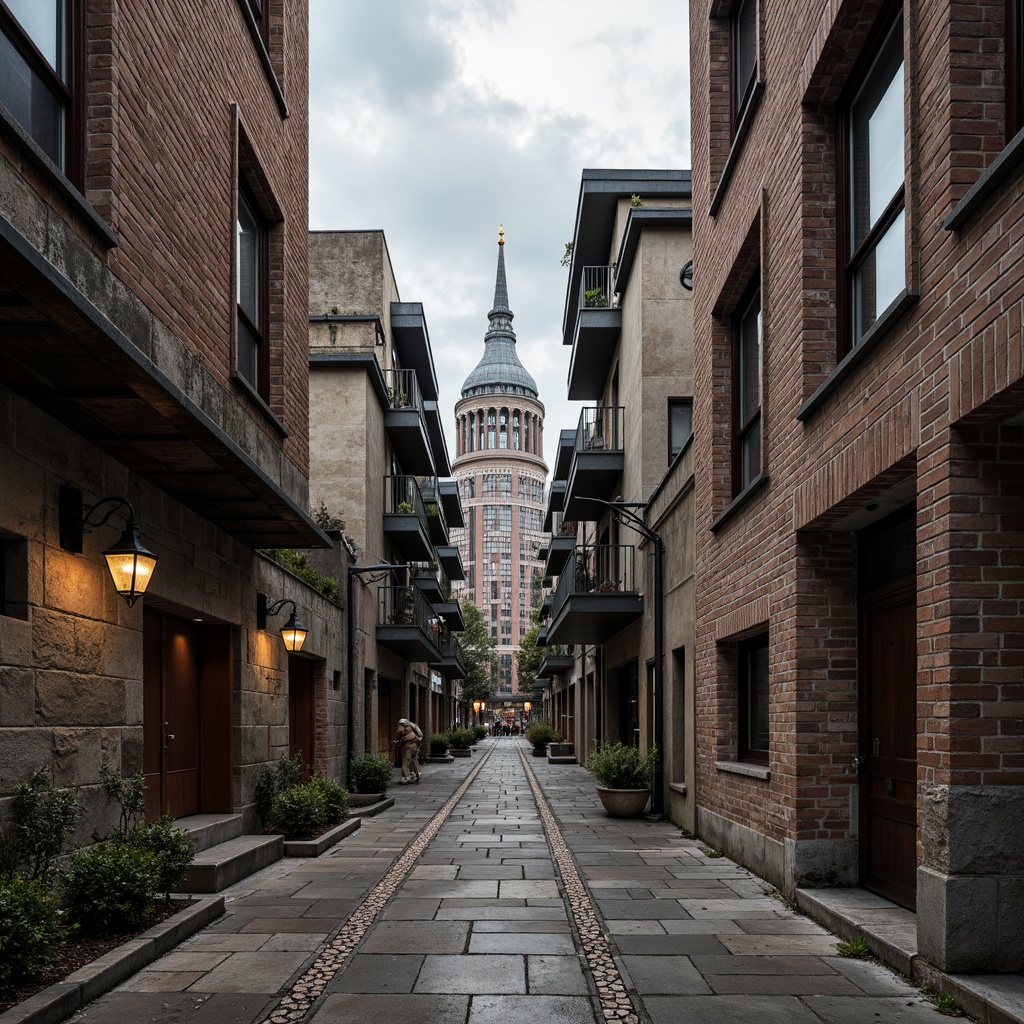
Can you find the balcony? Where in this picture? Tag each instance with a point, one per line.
(597, 463)
(448, 492)
(450, 612)
(598, 325)
(451, 561)
(426, 577)
(557, 658)
(407, 625)
(404, 423)
(450, 664)
(556, 501)
(437, 521)
(405, 519)
(563, 540)
(596, 596)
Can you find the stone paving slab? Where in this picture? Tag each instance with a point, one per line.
(530, 1009)
(439, 1009)
(734, 1009)
(368, 973)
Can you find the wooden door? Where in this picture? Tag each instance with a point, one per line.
(171, 715)
(629, 705)
(301, 710)
(888, 780)
(384, 735)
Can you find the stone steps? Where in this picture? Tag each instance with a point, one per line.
(208, 830)
(217, 867)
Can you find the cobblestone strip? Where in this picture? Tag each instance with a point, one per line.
(615, 1002)
(303, 994)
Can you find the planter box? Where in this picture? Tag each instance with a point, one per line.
(364, 799)
(539, 752)
(624, 803)
(461, 753)
(447, 759)
(314, 847)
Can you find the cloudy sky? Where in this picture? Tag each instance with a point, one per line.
(436, 120)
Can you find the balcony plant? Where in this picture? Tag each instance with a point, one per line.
(623, 777)
(404, 508)
(595, 297)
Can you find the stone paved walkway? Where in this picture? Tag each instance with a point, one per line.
(451, 908)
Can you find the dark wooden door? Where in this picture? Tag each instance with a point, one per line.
(301, 710)
(629, 705)
(384, 735)
(171, 715)
(888, 780)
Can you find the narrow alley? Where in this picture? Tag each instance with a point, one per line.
(498, 890)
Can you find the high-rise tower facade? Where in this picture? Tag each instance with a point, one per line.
(501, 474)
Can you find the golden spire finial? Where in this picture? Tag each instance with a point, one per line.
(501, 234)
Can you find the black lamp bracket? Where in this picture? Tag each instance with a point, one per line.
(76, 517)
(264, 610)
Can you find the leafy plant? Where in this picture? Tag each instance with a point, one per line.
(566, 259)
(41, 819)
(479, 733)
(109, 888)
(334, 797)
(460, 739)
(714, 854)
(947, 1005)
(404, 508)
(540, 734)
(856, 949)
(299, 812)
(635, 200)
(616, 766)
(274, 780)
(432, 509)
(370, 773)
(299, 565)
(31, 929)
(173, 848)
(326, 519)
(595, 297)
(128, 792)
(439, 744)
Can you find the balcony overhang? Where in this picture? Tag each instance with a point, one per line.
(593, 618)
(545, 611)
(594, 474)
(593, 348)
(448, 492)
(408, 641)
(429, 587)
(407, 432)
(451, 612)
(563, 455)
(559, 551)
(451, 561)
(556, 502)
(412, 343)
(438, 445)
(406, 533)
(542, 636)
(62, 354)
(555, 664)
(451, 666)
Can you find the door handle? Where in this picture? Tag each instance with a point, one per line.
(859, 761)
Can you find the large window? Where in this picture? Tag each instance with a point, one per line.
(680, 424)
(875, 134)
(743, 29)
(253, 257)
(752, 675)
(1014, 67)
(36, 79)
(747, 394)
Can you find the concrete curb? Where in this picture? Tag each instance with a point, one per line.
(373, 810)
(314, 847)
(60, 1001)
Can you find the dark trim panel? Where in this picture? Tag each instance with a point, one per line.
(1005, 166)
(738, 502)
(264, 56)
(355, 361)
(737, 145)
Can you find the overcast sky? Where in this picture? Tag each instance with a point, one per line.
(437, 120)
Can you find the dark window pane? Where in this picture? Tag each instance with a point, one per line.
(745, 43)
(43, 22)
(248, 353)
(680, 425)
(750, 454)
(249, 262)
(757, 698)
(750, 362)
(31, 101)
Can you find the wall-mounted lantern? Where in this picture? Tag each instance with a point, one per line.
(293, 633)
(131, 565)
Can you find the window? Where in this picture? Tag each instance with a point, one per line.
(258, 10)
(13, 575)
(252, 296)
(743, 29)
(36, 77)
(1014, 67)
(874, 145)
(753, 699)
(680, 424)
(747, 395)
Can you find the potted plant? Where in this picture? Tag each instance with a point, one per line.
(368, 777)
(438, 746)
(460, 741)
(623, 778)
(539, 735)
(404, 508)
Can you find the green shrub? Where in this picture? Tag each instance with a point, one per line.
(370, 773)
(439, 744)
(275, 779)
(174, 850)
(334, 796)
(540, 734)
(479, 733)
(128, 792)
(298, 812)
(41, 819)
(31, 929)
(461, 739)
(616, 766)
(109, 888)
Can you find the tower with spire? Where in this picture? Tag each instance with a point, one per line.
(501, 474)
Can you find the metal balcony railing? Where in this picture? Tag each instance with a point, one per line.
(450, 646)
(402, 497)
(596, 288)
(403, 389)
(597, 569)
(601, 428)
(432, 501)
(406, 606)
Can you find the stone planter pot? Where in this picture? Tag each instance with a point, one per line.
(561, 749)
(364, 799)
(461, 753)
(540, 752)
(624, 803)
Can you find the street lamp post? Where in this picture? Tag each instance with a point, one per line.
(625, 511)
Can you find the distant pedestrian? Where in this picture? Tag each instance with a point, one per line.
(408, 741)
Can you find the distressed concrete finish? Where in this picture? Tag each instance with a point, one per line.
(447, 908)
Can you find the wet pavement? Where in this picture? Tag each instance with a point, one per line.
(497, 890)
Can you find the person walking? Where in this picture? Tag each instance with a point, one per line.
(408, 741)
